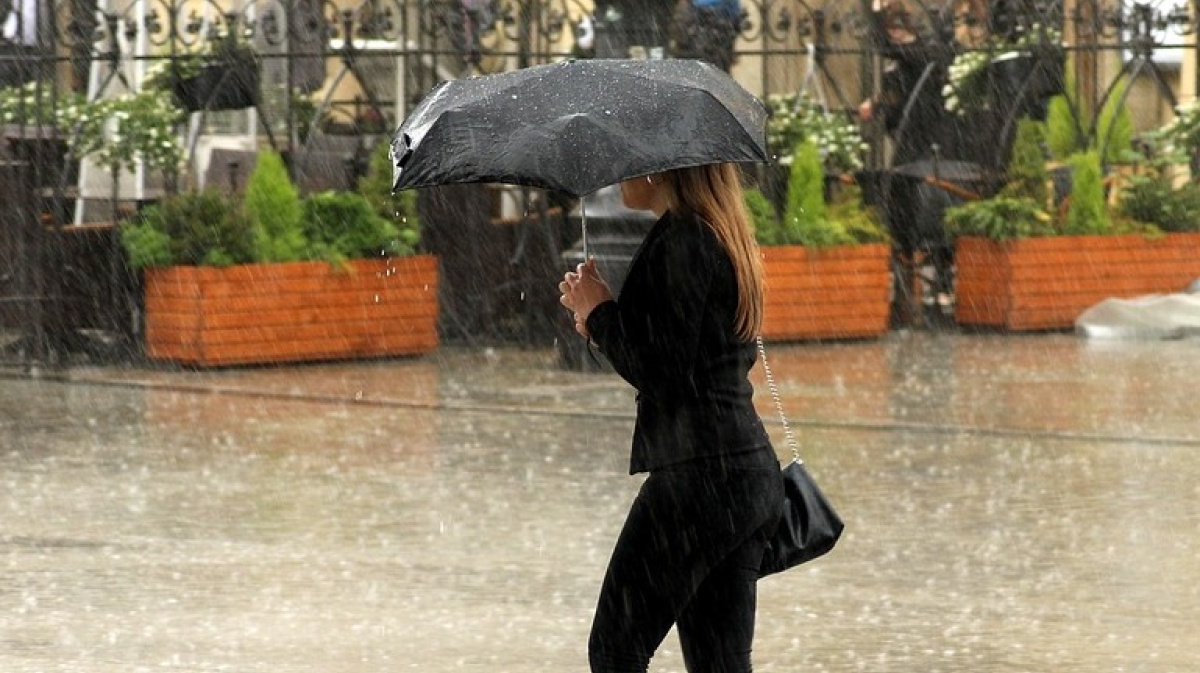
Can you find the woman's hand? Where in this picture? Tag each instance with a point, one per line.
(865, 110)
(582, 291)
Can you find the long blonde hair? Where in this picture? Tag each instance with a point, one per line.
(713, 193)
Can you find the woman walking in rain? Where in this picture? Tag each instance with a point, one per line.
(683, 333)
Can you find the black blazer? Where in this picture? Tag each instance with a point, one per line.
(671, 335)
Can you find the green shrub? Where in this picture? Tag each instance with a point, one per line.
(762, 217)
(1064, 134)
(808, 219)
(1088, 213)
(146, 246)
(399, 209)
(274, 208)
(1069, 121)
(342, 225)
(860, 222)
(192, 228)
(1156, 201)
(1000, 218)
(1114, 126)
(1027, 175)
(805, 218)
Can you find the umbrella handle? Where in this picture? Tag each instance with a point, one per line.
(583, 227)
(954, 189)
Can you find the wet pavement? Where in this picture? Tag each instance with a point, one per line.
(1023, 503)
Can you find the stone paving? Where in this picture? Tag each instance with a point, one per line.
(1013, 504)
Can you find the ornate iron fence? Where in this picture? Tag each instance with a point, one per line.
(323, 81)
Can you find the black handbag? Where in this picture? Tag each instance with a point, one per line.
(808, 526)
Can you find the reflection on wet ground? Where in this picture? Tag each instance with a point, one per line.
(1013, 504)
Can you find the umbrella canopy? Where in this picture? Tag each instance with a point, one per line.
(577, 126)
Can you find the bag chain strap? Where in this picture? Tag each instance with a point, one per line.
(788, 435)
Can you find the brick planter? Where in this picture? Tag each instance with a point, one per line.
(840, 293)
(277, 313)
(1046, 283)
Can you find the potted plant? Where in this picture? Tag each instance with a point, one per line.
(825, 264)
(274, 278)
(39, 125)
(135, 129)
(1029, 64)
(1071, 127)
(119, 134)
(223, 75)
(1180, 138)
(1025, 264)
(796, 118)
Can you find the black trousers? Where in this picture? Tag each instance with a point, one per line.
(688, 556)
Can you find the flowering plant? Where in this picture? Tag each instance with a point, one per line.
(118, 132)
(795, 118)
(220, 45)
(1181, 136)
(140, 128)
(965, 85)
(33, 104)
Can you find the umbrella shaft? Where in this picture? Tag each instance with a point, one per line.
(583, 227)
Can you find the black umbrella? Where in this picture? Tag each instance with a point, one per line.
(577, 126)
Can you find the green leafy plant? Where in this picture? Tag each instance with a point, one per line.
(141, 129)
(342, 225)
(195, 228)
(805, 220)
(1027, 174)
(270, 224)
(400, 209)
(862, 223)
(808, 220)
(184, 59)
(1180, 138)
(79, 123)
(1000, 218)
(146, 246)
(1088, 212)
(1068, 121)
(1114, 126)
(118, 133)
(966, 85)
(274, 208)
(1155, 201)
(762, 216)
(1064, 130)
(38, 104)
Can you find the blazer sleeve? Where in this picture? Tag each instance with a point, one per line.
(651, 333)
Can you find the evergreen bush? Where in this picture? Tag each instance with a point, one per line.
(275, 210)
(1000, 218)
(805, 218)
(1114, 126)
(197, 228)
(1155, 201)
(1088, 213)
(863, 224)
(399, 209)
(1027, 175)
(342, 225)
(808, 220)
(1064, 131)
(1069, 121)
(762, 217)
